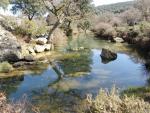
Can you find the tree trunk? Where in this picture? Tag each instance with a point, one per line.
(52, 30)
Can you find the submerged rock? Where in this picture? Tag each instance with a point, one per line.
(108, 55)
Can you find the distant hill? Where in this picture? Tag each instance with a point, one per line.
(115, 8)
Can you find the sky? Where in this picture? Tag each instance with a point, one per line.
(104, 2)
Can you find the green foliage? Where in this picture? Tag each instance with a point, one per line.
(30, 8)
(111, 102)
(31, 28)
(26, 28)
(5, 67)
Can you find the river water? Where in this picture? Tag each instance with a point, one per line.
(84, 73)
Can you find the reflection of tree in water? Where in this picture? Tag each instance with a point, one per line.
(53, 101)
(76, 63)
(9, 85)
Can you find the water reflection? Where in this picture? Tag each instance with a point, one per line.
(84, 73)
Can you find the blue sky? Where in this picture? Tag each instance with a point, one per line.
(103, 2)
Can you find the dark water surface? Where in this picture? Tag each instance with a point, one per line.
(85, 73)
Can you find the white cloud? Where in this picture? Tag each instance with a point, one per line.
(104, 2)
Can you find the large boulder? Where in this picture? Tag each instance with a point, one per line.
(108, 55)
(10, 49)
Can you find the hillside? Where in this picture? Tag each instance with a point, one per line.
(115, 8)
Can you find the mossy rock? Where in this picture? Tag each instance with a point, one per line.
(5, 67)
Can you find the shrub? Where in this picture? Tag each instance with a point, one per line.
(5, 67)
(104, 30)
(31, 28)
(111, 102)
(145, 28)
(116, 21)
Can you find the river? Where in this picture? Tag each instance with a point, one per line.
(84, 73)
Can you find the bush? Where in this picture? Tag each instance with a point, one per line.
(5, 67)
(111, 102)
(145, 28)
(24, 27)
(104, 30)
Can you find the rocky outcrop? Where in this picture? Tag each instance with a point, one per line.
(108, 55)
(10, 49)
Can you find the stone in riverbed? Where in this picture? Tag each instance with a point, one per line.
(39, 48)
(41, 41)
(118, 40)
(29, 58)
(47, 47)
(108, 55)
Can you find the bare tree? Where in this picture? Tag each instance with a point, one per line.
(144, 6)
(131, 16)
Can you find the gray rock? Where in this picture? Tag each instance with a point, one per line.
(39, 48)
(41, 41)
(108, 55)
(22, 63)
(10, 48)
(29, 58)
(47, 47)
(118, 40)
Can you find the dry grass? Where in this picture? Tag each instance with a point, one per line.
(22, 106)
(111, 102)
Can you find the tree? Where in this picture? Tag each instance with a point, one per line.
(84, 25)
(66, 11)
(144, 6)
(4, 3)
(31, 8)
